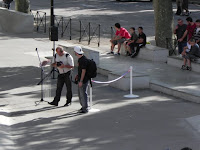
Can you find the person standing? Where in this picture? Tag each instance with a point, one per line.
(7, 3)
(197, 32)
(120, 36)
(179, 31)
(82, 79)
(64, 63)
(185, 7)
(179, 4)
(189, 30)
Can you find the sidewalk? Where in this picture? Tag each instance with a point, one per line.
(152, 121)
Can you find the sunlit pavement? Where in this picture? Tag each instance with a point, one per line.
(152, 121)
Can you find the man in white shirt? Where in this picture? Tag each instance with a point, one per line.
(64, 63)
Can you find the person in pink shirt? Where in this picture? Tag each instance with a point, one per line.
(120, 36)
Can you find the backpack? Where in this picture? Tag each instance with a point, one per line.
(91, 69)
(66, 55)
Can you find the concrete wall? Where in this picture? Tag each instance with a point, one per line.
(15, 22)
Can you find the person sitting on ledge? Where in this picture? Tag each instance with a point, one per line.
(120, 36)
(130, 43)
(141, 42)
(192, 54)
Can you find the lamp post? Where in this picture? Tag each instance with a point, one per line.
(52, 13)
(53, 32)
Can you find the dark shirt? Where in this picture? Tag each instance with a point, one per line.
(143, 36)
(180, 31)
(134, 36)
(82, 64)
(194, 51)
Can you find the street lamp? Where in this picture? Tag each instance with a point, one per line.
(53, 31)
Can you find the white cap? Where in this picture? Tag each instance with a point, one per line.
(78, 50)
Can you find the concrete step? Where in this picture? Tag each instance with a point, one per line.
(177, 61)
(163, 77)
(186, 94)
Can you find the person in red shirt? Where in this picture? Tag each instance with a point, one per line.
(120, 36)
(189, 30)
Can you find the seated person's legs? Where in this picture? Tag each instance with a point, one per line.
(113, 43)
(119, 42)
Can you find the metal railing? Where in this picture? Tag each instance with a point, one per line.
(90, 32)
(40, 20)
(64, 25)
(172, 45)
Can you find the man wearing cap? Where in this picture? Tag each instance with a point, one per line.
(64, 63)
(82, 79)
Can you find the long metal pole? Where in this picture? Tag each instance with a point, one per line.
(52, 13)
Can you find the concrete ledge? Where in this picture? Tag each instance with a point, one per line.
(178, 62)
(194, 122)
(15, 22)
(140, 81)
(91, 54)
(152, 53)
(175, 92)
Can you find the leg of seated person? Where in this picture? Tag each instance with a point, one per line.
(129, 49)
(112, 45)
(125, 46)
(119, 47)
(184, 61)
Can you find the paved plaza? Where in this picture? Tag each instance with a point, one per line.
(154, 121)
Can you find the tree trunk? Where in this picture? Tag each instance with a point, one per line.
(22, 6)
(163, 14)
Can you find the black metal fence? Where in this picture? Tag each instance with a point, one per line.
(89, 32)
(40, 20)
(64, 26)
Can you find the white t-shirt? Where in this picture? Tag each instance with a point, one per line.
(66, 60)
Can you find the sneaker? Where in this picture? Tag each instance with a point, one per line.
(189, 68)
(117, 54)
(110, 52)
(133, 55)
(184, 67)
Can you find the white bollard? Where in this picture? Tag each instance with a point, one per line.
(92, 109)
(131, 85)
